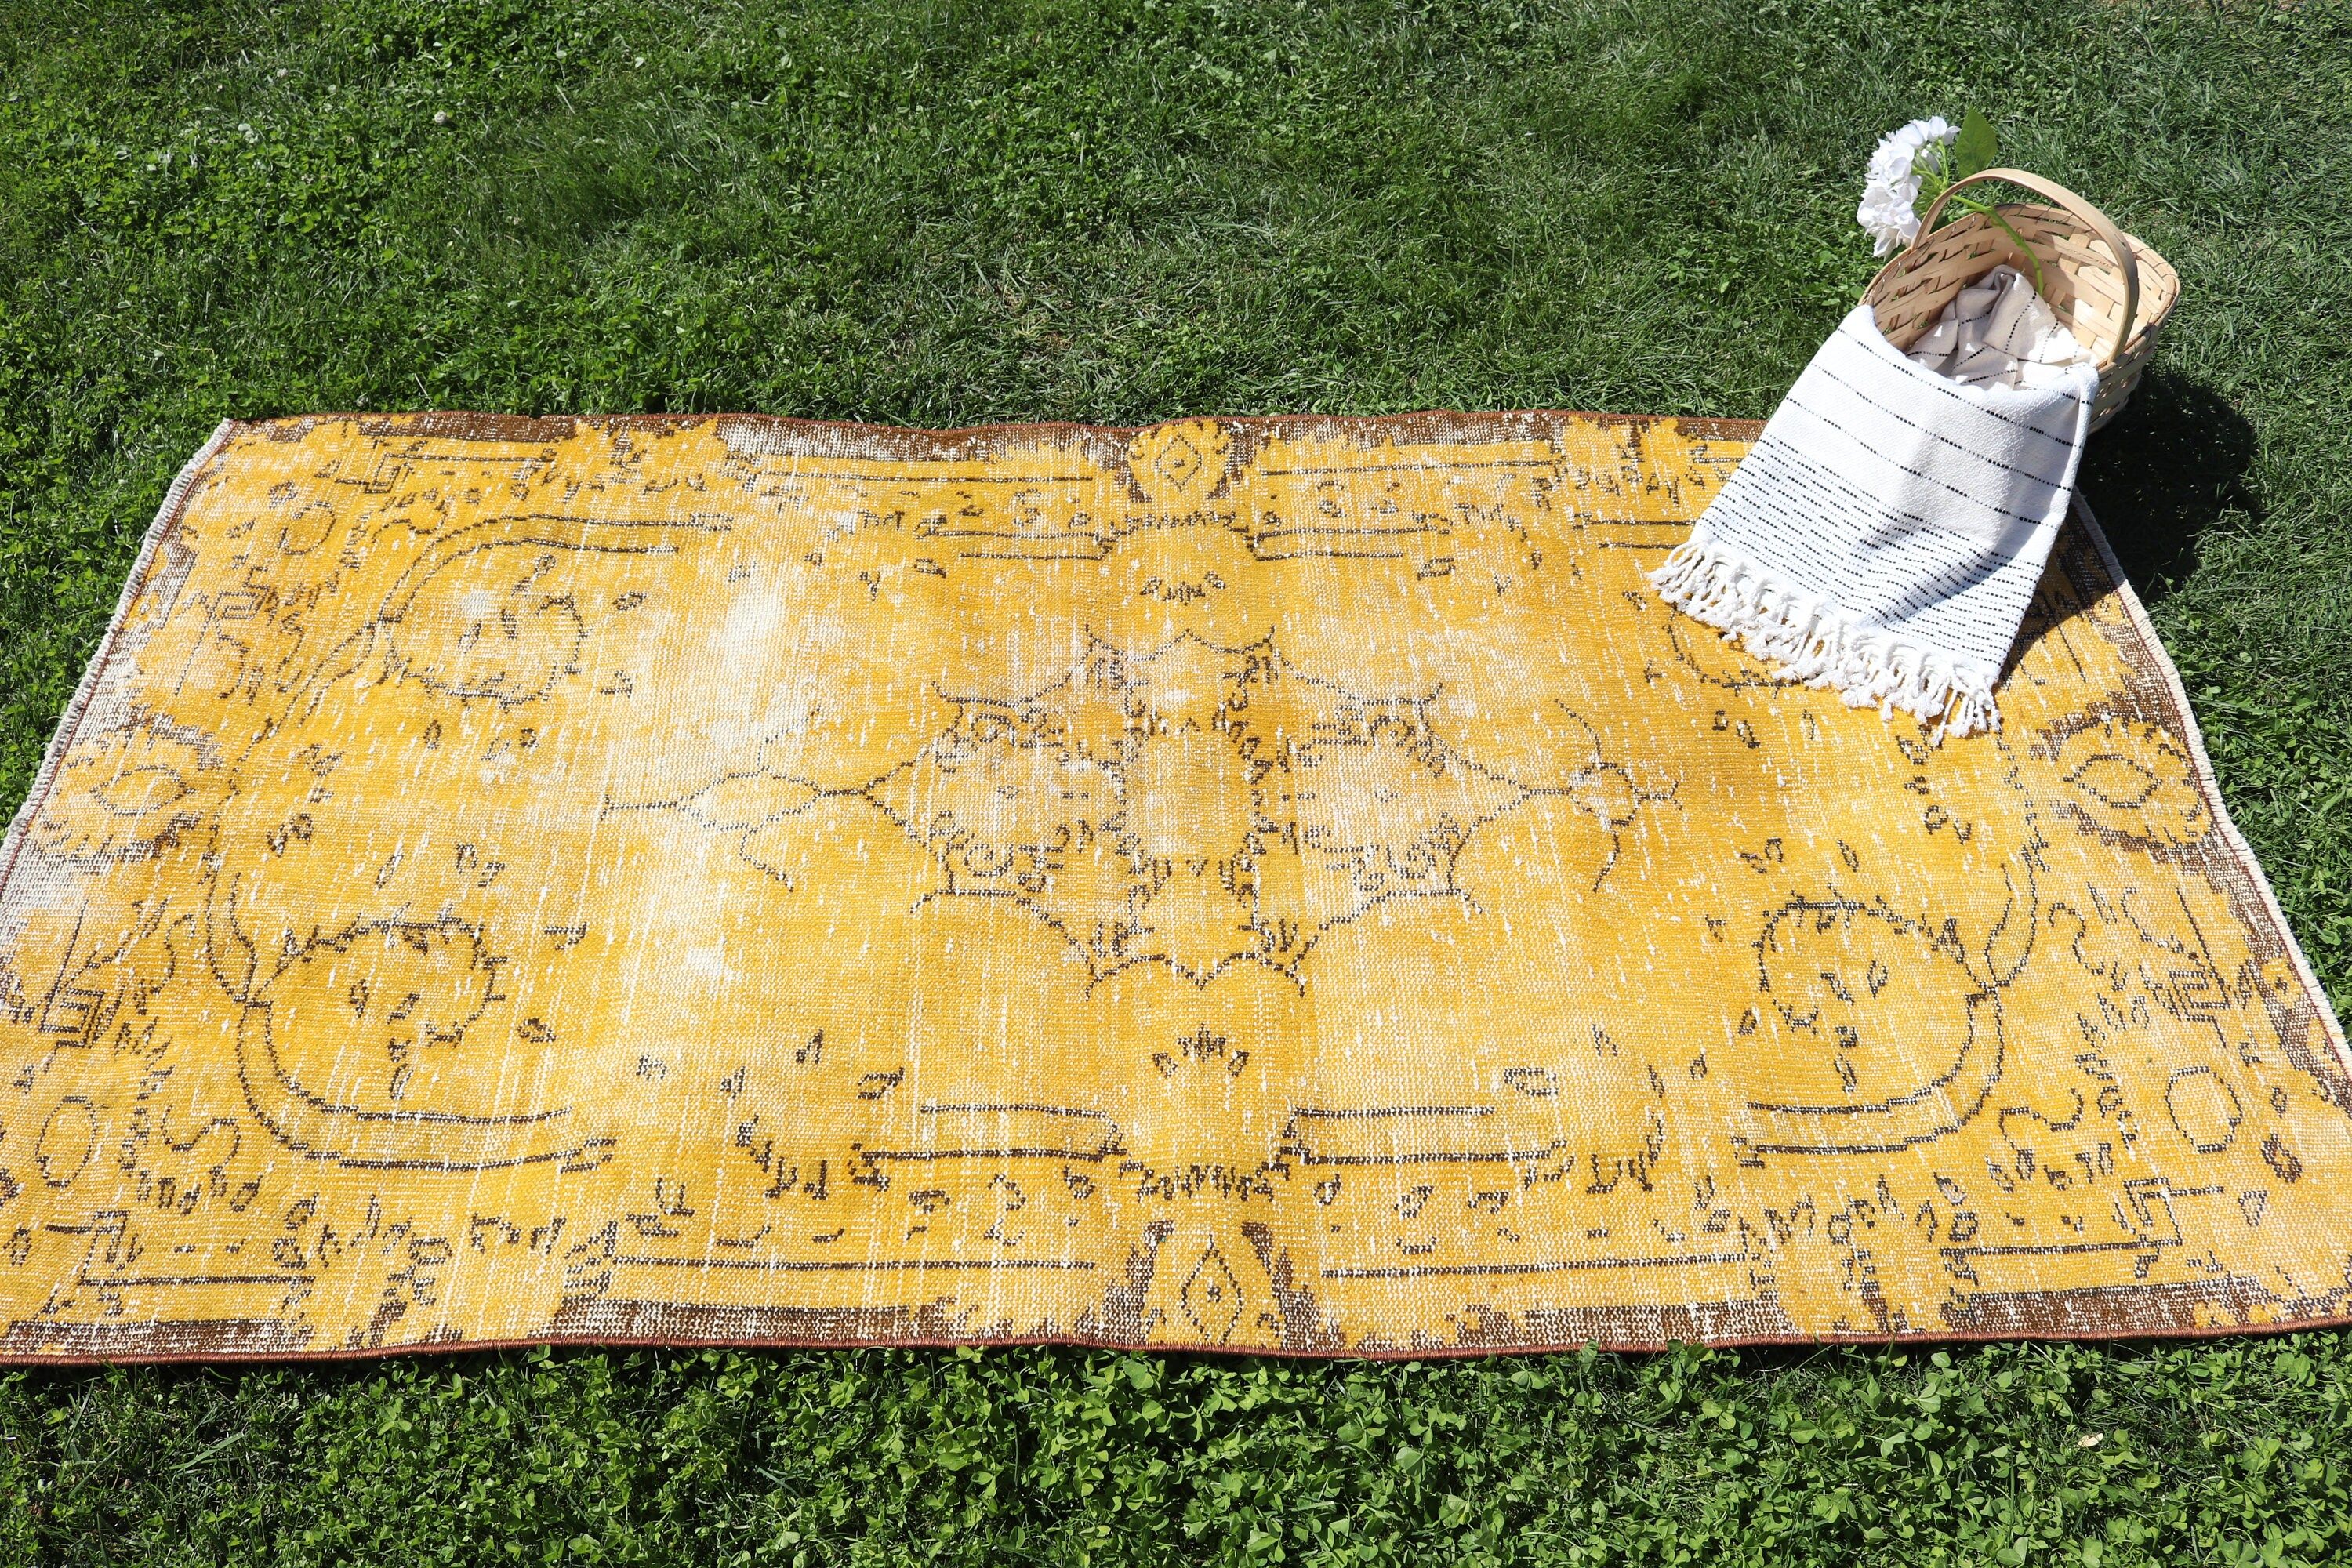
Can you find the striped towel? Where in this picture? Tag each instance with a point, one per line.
(1885, 534)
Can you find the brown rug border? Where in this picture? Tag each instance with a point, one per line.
(2020, 1313)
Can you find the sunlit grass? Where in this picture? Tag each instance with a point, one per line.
(941, 215)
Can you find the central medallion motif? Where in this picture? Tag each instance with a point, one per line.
(1194, 805)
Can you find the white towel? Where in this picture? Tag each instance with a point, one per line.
(1885, 535)
(1998, 333)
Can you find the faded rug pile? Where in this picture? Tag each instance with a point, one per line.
(1283, 885)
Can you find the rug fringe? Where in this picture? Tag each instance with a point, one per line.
(1816, 644)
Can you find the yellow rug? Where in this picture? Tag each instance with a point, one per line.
(1283, 885)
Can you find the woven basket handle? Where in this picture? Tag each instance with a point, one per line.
(2117, 244)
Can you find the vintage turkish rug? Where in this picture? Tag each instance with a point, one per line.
(1282, 885)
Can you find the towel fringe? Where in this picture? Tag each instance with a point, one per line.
(1816, 644)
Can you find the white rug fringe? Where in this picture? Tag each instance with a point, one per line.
(1814, 643)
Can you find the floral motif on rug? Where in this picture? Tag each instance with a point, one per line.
(1276, 885)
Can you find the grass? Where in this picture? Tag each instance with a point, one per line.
(1122, 210)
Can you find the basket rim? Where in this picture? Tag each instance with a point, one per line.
(2156, 304)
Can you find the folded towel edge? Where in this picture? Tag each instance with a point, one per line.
(1816, 644)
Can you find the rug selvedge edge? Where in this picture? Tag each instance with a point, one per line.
(2209, 783)
(86, 691)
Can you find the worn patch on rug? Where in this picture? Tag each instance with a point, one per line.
(1265, 884)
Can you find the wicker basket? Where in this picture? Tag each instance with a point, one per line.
(2113, 292)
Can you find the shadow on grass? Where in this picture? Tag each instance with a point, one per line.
(2171, 465)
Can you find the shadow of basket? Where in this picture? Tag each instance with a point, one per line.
(2169, 468)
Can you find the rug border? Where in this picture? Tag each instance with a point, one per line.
(93, 675)
(470, 425)
(167, 518)
(2177, 694)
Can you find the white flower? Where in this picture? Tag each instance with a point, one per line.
(1890, 195)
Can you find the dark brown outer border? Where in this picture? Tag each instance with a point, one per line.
(2021, 1319)
(2006, 1334)
(979, 442)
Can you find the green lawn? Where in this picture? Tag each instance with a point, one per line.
(1121, 210)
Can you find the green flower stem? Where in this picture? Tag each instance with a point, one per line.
(1936, 178)
(1970, 203)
